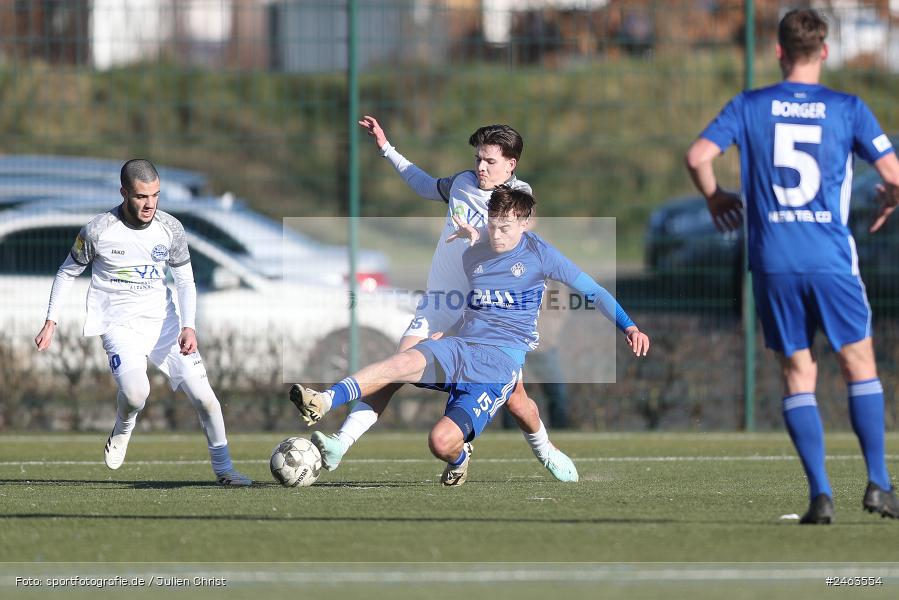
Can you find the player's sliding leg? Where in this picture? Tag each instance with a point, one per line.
(800, 412)
(209, 410)
(525, 412)
(404, 367)
(447, 443)
(866, 408)
(363, 416)
(134, 388)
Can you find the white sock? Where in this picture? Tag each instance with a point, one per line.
(356, 424)
(539, 442)
(210, 412)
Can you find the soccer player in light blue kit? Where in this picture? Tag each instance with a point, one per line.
(797, 140)
(480, 365)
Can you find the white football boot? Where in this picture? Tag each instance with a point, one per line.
(311, 404)
(116, 447)
(454, 476)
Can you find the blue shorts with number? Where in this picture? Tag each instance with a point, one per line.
(793, 306)
(478, 378)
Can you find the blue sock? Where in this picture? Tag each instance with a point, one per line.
(804, 424)
(461, 458)
(344, 391)
(221, 459)
(866, 412)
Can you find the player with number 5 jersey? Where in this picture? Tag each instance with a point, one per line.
(797, 140)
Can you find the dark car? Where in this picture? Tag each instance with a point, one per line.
(693, 266)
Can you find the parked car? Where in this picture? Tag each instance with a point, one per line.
(261, 243)
(96, 171)
(16, 190)
(689, 260)
(258, 327)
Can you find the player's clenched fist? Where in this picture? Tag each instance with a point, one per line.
(43, 339)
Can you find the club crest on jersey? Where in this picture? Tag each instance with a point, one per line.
(160, 252)
(479, 270)
(518, 269)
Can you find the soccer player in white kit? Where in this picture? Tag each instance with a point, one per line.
(497, 150)
(130, 307)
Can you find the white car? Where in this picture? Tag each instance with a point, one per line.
(251, 328)
(263, 244)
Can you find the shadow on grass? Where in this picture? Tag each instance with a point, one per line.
(356, 519)
(169, 484)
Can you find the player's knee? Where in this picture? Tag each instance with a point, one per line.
(444, 443)
(134, 391)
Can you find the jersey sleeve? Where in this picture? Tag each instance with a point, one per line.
(869, 140)
(725, 129)
(178, 251)
(85, 247)
(559, 267)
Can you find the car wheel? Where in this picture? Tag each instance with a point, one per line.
(329, 360)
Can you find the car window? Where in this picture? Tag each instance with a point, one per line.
(36, 251)
(210, 231)
(202, 267)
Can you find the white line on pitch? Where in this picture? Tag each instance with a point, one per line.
(593, 459)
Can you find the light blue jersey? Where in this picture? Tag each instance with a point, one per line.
(796, 144)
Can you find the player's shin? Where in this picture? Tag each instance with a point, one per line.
(539, 442)
(866, 412)
(803, 422)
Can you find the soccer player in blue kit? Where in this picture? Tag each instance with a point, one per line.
(480, 365)
(797, 139)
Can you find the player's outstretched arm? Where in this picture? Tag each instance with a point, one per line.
(637, 340)
(43, 339)
(888, 191)
(421, 183)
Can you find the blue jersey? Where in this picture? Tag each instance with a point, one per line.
(796, 144)
(507, 289)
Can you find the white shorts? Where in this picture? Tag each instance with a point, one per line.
(128, 346)
(436, 311)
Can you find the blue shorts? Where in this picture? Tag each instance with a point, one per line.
(478, 378)
(792, 307)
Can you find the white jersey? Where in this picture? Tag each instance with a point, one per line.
(469, 202)
(128, 268)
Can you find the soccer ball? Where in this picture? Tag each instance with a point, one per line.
(296, 462)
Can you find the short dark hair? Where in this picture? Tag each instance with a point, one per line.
(505, 137)
(504, 200)
(137, 169)
(801, 33)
